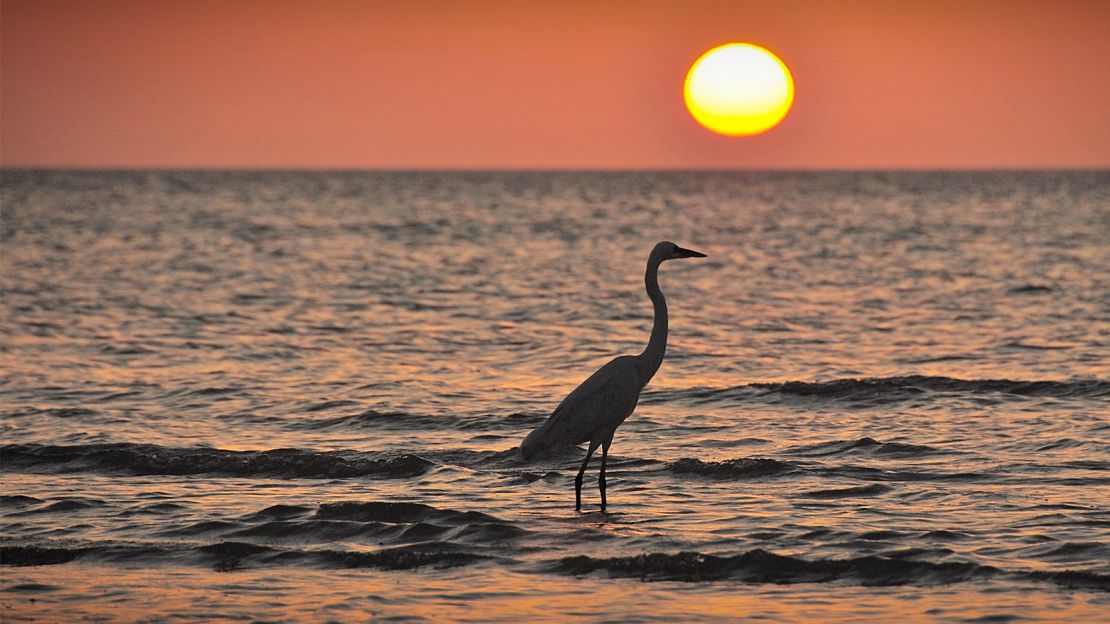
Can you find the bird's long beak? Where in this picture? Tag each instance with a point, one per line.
(687, 253)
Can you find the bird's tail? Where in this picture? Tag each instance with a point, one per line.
(533, 444)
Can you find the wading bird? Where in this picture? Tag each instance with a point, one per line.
(601, 403)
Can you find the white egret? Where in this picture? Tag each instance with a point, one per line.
(594, 410)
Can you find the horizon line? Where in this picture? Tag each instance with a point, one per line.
(331, 169)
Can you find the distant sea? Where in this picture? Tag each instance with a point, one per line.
(282, 396)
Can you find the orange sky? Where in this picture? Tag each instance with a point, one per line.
(568, 84)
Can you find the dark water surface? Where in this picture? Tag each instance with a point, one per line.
(287, 396)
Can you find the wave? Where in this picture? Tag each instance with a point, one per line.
(862, 490)
(883, 390)
(149, 459)
(836, 459)
(374, 419)
(918, 384)
(74, 413)
(378, 511)
(755, 468)
(378, 522)
(744, 468)
(227, 556)
(403, 558)
(868, 446)
(8, 501)
(323, 531)
(424, 522)
(870, 473)
(1029, 289)
(761, 566)
(286, 463)
(754, 566)
(18, 556)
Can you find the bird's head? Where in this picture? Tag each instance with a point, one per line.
(667, 250)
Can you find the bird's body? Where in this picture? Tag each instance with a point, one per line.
(594, 410)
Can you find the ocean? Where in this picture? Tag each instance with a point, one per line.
(299, 396)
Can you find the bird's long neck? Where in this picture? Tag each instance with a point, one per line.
(652, 357)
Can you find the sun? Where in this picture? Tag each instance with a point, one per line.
(739, 89)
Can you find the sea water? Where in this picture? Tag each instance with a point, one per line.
(299, 395)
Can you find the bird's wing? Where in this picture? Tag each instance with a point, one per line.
(599, 404)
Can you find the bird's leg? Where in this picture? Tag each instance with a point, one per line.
(578, 479)
(601, 478)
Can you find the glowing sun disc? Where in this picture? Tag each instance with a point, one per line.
(739, 89)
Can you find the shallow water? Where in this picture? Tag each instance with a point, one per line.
(299, 395)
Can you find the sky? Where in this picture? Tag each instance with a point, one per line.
(537, 85)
